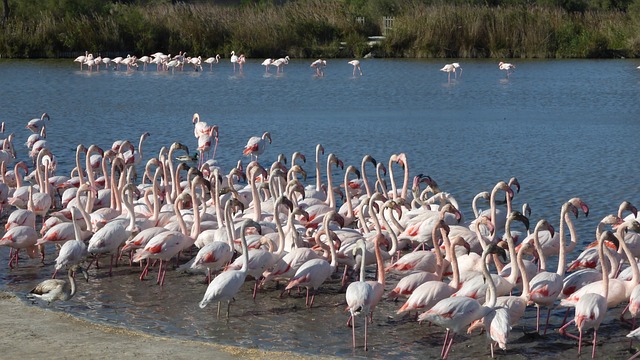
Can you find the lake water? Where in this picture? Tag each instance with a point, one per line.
(563, 128)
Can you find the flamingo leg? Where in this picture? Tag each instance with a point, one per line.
(580, 342)
(547, 322)
(564, 332)
(366, 321)
(218, 316)
(353, 330)
(444, 346)
(145, 271)
(159, 273)
(595, 338)
(446, 353)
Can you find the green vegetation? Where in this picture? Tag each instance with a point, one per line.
(323, 28)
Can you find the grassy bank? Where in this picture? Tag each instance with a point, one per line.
(323, 28)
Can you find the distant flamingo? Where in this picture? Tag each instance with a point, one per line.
(266, 63)
(212, 60)
(81, 59)
(234, 60)
(319, 66)
(507, 67)
(241, 61)
(226, 285)
(280, 63)
(356, 64)
(255, 146)
(448, 69)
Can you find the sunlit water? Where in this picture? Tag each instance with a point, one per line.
(563, 128)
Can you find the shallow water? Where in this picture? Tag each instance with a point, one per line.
(563, 128)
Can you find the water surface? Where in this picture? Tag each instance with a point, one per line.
(563, 128)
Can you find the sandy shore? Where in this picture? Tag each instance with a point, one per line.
(40, 333)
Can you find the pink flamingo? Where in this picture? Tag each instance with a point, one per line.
(36, 124)
(319, 66)
(256, 145)
(226, 285)
(456, 313)
(359, 296)
(507, 67)
(234, 60)
(591, 308)
(316, 271)
(356, 64)
(212, 60)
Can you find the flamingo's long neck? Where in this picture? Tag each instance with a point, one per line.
(515, 270)
(331, 200)
(318, 180)
(562, 234)
(348, 195)
(364, 174)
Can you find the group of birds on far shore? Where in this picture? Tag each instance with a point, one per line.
(167, 62)
(277, 227)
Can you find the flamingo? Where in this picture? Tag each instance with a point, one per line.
(81, 59)
(449, 68)
(36, 124)
(319, 66)
(58, 290)
(546, 286)
(256, 145)
(315, 271)
(72, 252)
(241, 61)
(506, 67)
(456, 313)
(359, 295)
(356, 64)
(591, 308)
(144, 60)
(212, 60)
(266, 63)
(280, 63)
(234, 60)
(226, 285)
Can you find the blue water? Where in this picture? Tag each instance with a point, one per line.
(563, 128)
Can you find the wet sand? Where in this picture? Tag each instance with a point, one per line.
(41, 333)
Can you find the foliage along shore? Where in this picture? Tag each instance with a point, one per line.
(323, 28)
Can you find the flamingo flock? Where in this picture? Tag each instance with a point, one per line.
(260, 222)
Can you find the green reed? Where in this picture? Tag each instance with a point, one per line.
(324, 28)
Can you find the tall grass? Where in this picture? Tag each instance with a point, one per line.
(325, 28)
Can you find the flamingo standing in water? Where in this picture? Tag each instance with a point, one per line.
(356, 64)
(266, 63)
(255, 146)
(36, 124)
(212, 60)
(319, 65)
(448, 69)
(359, 296)
(226, 285)
(506, 67)
(591, 308)
(234, 60)
(456, 313)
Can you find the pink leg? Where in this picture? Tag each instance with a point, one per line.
(491, 345)
(446, 353)
(366, 321)
(145, 271)
(546, 324)
(159, 273)
(353, 330)
(564, 332)
(444, 346)
(595, 337)
(580, 343)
